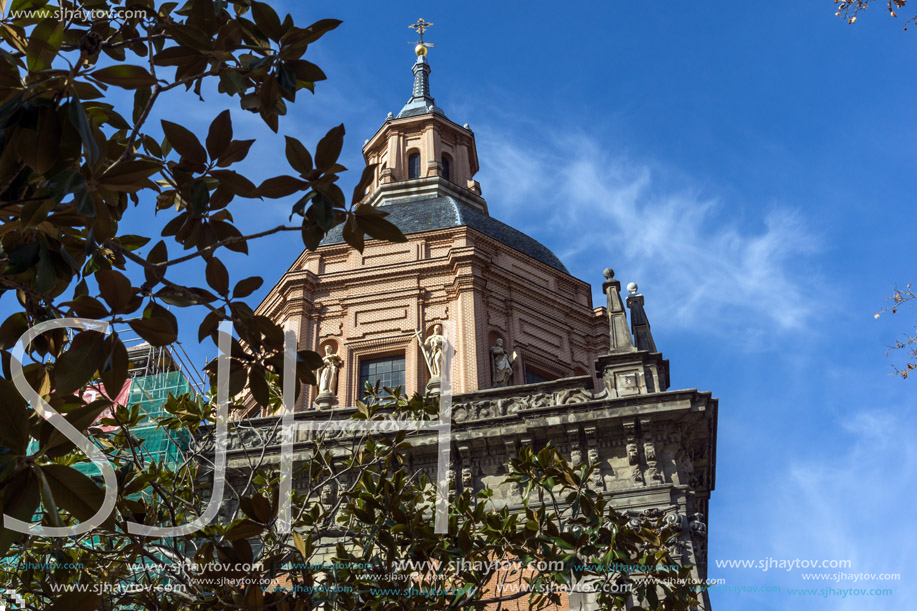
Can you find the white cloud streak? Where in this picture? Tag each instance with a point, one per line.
(698, 264)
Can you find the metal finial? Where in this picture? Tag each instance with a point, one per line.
(421, 26)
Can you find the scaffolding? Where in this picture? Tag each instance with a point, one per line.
(155, 373)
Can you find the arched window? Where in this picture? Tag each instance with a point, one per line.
(447, 167)
(413, 166)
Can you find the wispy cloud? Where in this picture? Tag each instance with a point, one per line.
(701, 261)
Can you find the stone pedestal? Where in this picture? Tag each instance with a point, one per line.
(325, 400)
(433, 385)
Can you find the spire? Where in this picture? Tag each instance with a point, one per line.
(617, 319)
(640, 324)
(421, 101)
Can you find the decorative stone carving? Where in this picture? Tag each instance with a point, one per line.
(327, 379)
(570, 396)
(514, 490)
(576, 457)
(698, 529)
(450, 480)
(541, 399)
(596, 481)
(511, 406)
(501, 365)
(467, 479)
(326, 495)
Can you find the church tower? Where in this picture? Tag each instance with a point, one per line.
(459, 264)
(535, 363)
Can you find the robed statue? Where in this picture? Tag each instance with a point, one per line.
(328, 377)
(501, 364)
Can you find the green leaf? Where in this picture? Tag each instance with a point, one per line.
(259, 388)
(281, 186)
(267, 20)
(158, 326)
(244, 530)
(184, 142)
(352, 234)
(133, 242)
(47, 498)
(312, 234)
(76, 601)
(77, 115)
(323, 211)
(219, 135)
(247, 286)
(125, 76)
(329, 148)
(115, 288)
(41, 150)
(235, 152)
(76, 493)
(298, 156)
(176, 56)
(217, 276)
(83, 358)
(366, 179)
(200, 197)
(71, 182)
(21, 497)
(130, 176)
(378, 227)
(44, 44)
(300, 544)
(319, 29)
(115, 368)
(53, 443)
(141, 99)
(14, 418)
(305, 70)
(235, 183)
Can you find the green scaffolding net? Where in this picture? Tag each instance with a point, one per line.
(150, 393)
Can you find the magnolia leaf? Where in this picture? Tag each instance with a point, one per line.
(298, 156)
(158, 326)
(125, 76)
(220, 135)
(329, 148)
(184, 142)
(76, 493)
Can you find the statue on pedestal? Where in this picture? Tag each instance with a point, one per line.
(432, 349)
(327, 378)
(501, 364)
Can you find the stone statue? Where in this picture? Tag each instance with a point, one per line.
(328, 375)
(432, 349)
(501, 364)
(327, 378)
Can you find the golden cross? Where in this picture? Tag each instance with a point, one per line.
(421, 26)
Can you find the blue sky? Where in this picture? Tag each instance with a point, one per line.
(750, 165)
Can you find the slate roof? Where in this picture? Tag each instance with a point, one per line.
(442, 212)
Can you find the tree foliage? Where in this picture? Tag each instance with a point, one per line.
(903, 297)
(74, 163)
(850, 9)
